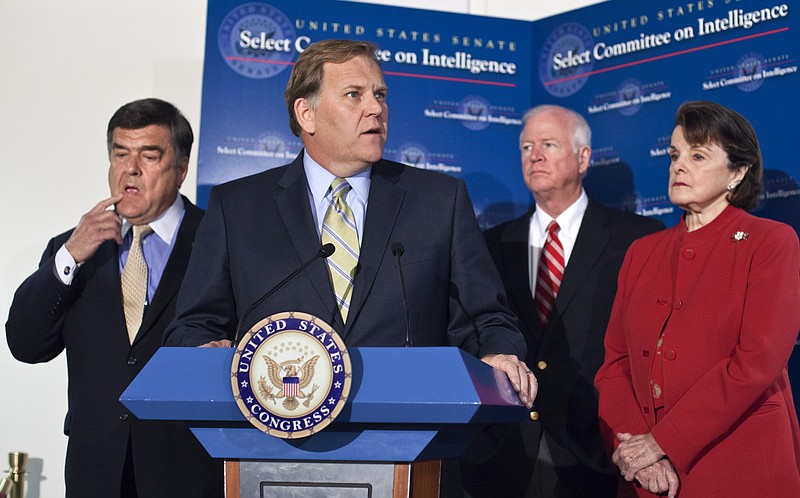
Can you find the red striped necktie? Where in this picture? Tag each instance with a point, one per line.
(550, 273)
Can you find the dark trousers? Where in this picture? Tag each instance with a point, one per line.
(128, 489)
(503, 463)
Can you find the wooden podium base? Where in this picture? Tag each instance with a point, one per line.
(257, 479)
(417, 479)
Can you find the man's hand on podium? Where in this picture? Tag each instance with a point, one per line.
(224, 343)
(523, 380)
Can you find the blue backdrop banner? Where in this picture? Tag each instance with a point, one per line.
(458, 85)
(628, 65)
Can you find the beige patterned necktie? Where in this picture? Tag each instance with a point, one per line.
(339, 229)
(134, 282)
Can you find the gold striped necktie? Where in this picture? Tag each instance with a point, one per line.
(339, 229)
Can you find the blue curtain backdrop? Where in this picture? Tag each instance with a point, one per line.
(459, 85)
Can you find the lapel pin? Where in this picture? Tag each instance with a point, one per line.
(736, 237)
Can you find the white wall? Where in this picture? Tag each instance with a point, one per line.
(65, 67)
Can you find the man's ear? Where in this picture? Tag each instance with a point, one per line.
(183, 169)
(305, 115)
(584, 155)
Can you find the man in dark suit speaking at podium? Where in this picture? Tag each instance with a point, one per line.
(381, 216)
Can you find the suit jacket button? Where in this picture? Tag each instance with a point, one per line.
(670, 355)
(123, 417)
(534, 415)
(678, 304)
(131, 361)
(688, 254)
(541, 365)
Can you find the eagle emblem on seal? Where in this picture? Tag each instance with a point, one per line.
(291, 375)
(290, 379)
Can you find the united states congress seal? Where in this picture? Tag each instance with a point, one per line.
(291, 375)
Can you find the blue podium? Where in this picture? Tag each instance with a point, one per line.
(408, 409)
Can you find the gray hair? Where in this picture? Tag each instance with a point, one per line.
(581, 133)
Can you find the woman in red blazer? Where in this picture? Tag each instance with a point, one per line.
(694, 393)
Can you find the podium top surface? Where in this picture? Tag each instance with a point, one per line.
(433, 385)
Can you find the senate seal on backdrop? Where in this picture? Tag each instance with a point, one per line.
(630, 92)
(475, 110)
(412, 154)
(257, 40)
(567, 40)
(291, 375)
(748, 68)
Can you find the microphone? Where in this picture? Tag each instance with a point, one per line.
(325, 251)
(398, 250)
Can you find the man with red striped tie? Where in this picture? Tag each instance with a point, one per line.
(559, 263)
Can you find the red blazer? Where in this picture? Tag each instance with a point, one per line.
(727, 297)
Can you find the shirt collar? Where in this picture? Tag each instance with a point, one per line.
(569, 221)
(319, 180)
(166, 224)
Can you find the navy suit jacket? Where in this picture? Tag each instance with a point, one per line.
(567, 353)
(259, 229)
(87, 320)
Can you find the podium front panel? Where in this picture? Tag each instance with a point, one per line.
(315, 480)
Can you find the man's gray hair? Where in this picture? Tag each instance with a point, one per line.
(581, 133)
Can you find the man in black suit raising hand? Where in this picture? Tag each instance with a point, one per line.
(104, 292)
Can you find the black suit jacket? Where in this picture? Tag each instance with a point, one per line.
(87, 320)
(259, 229)
(567, 354)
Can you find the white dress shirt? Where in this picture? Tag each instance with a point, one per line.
(570, 224)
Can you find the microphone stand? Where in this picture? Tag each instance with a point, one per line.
(398, 250)
(325, 251)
